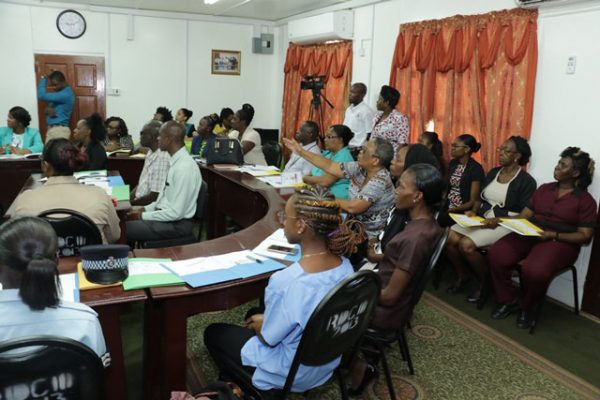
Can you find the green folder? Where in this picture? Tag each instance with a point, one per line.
(140, 281)
(121, 193)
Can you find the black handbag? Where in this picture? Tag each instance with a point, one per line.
(225, 151)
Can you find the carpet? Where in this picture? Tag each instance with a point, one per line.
(454, 357)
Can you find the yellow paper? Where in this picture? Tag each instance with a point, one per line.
(84, 284)
(465, 221)
(521, 226)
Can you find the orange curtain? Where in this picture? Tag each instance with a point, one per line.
(334, 61)
(469, 74)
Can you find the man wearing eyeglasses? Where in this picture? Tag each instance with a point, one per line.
(307, 137)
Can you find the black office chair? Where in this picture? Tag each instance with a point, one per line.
(334, 328)
(74, 230)
(201, 203)
(50, 367)
(538, 309)
(273, 153)
(382, 339)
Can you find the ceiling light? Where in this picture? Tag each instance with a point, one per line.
(210, 1)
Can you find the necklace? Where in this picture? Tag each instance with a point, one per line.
(316, 254)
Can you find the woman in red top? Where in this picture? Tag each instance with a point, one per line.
(567, 214)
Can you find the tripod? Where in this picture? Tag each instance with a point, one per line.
(317, 106)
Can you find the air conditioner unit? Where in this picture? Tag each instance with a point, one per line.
(547, 3)
(337, 25)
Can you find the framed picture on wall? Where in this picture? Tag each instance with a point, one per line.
(226, 62)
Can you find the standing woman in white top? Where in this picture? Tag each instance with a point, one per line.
(30, 301)
(250, 139)
(506, 191)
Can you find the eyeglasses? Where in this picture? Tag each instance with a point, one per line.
(457, 146)
(331, 137)
(282, 216)
(505, 150)
(364, 150)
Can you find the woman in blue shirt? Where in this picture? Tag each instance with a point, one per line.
(17, 137)
(203, 136)
(336, 149)
(30, 301)
(264, 348)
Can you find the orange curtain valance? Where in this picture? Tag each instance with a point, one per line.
(469, 74)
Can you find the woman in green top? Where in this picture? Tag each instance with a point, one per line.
(336, 149)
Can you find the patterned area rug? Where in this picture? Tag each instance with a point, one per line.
(453, 356)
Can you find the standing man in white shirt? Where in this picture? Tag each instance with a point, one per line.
(307, 137)
(359, 117)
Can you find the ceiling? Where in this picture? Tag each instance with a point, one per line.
(270, 10)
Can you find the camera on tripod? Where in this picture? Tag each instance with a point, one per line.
(313, 82)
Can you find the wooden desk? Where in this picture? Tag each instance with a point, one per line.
(14, 173)
(110, 303)
(249, 202)
(123, 207)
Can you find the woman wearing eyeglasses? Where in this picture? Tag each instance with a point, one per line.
(464, 185)
(506, 190)
(336, 149)
(263, 349)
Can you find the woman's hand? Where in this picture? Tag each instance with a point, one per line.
(470, 213)
(291, 144)
(548, 235)
(255, 322)
(490, 223)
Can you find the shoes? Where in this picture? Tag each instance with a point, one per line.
(477, 299)
(370, 374)
(524, 320)
(505, 310)
(457, 287)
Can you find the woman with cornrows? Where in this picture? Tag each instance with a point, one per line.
(264, 348)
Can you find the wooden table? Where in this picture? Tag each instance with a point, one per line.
(14, 174)
(250, 203)
(123, 207)
(110, 303)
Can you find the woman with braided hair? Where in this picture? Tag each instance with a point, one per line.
(59, 160)
(264, 348)
(567, 214)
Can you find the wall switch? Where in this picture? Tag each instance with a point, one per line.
(114, 92)
(571, 65)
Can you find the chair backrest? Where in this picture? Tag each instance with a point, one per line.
(421, 279)
(49, 367)
(337, 323)
(74, 230)
(201, 202)
(272, 152)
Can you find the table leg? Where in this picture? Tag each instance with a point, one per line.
(109, 317)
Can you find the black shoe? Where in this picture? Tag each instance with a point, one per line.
(505, 310)
(473, 298)
(524, 320)
(370, 374)
(457, 287)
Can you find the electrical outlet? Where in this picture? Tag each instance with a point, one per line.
(571, 65)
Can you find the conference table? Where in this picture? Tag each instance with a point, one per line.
(242, 198)
(251, 204)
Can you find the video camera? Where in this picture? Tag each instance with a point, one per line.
(313, 82)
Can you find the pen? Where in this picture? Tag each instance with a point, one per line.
(258, 260)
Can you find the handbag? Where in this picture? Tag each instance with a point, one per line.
(224, 151)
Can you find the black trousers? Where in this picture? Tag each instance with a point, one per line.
(144, 231)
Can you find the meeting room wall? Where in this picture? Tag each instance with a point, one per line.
(566, 106)
(167, 63)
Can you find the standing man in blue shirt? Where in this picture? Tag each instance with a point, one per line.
(60, 105)
(170, 216)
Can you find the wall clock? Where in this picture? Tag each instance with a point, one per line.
(71, 24)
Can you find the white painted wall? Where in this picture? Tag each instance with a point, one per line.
(167, 63)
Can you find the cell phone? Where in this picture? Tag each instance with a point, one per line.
(283, 249)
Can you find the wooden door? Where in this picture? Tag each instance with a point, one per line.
(85, 75)
(591, 289)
